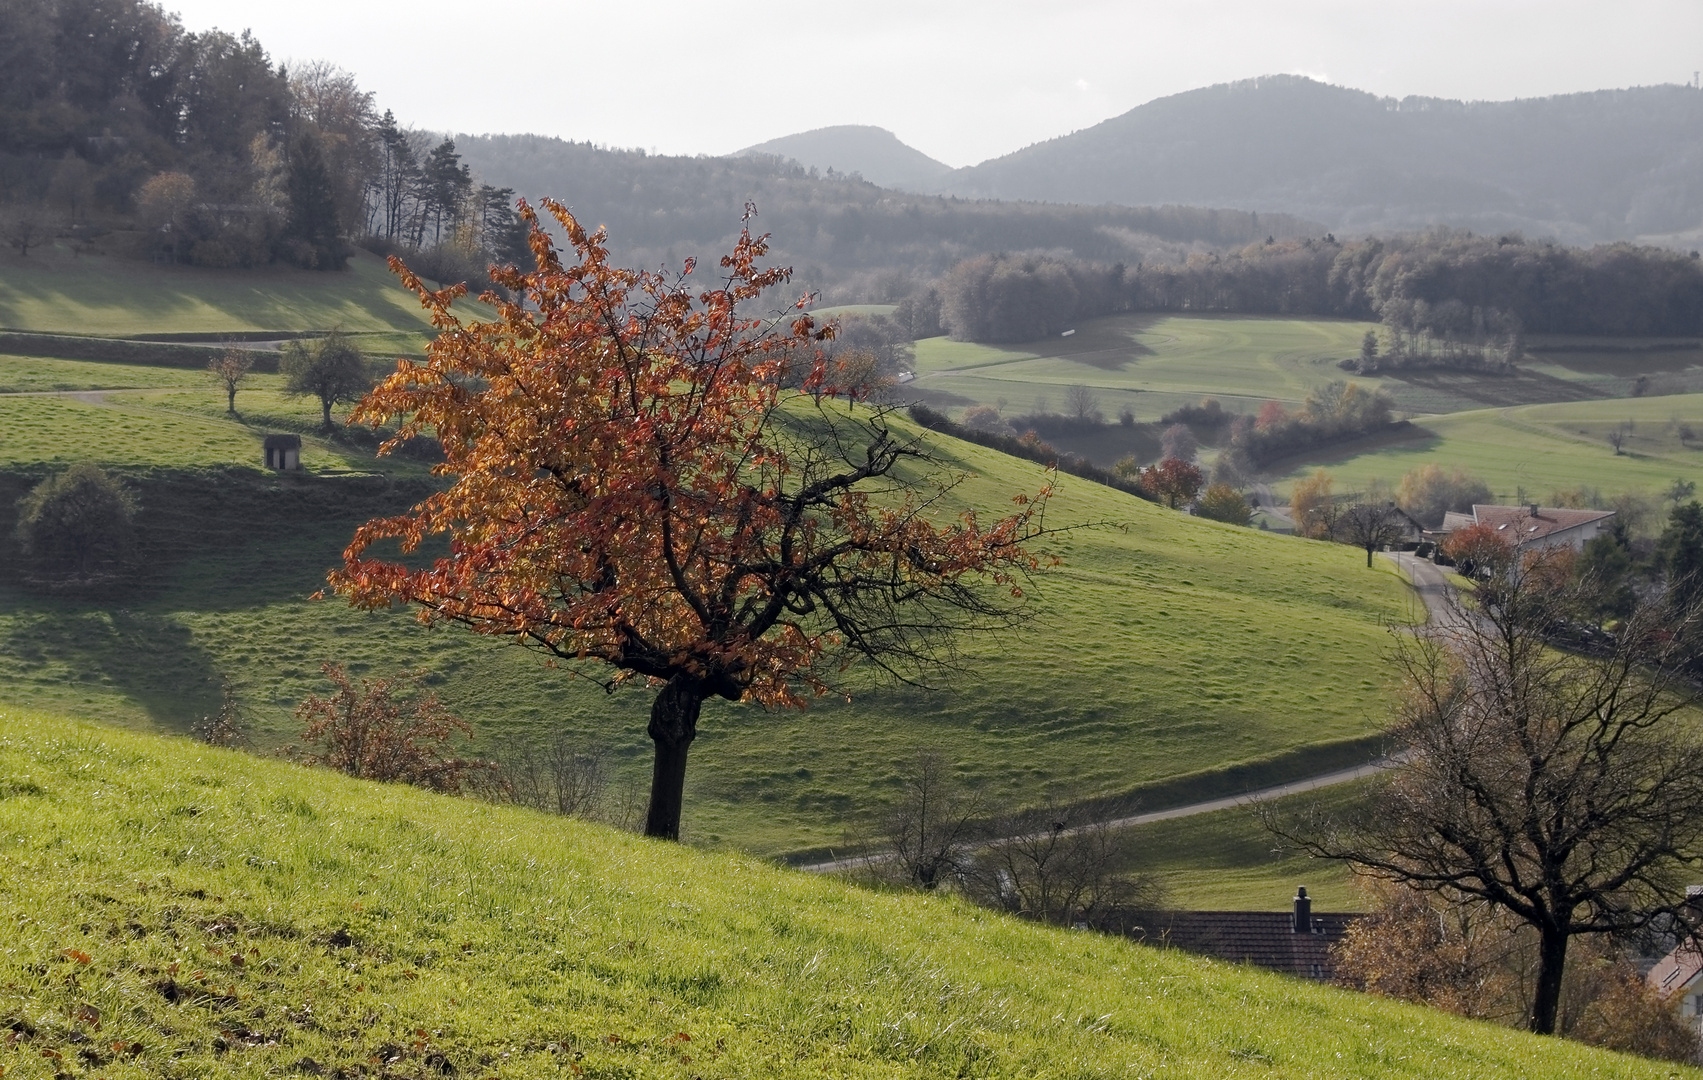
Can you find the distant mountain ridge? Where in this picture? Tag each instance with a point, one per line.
(1587, 167)
(874, 153)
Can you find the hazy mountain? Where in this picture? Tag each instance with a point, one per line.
(1582, 167)
(844, 234)
(875, 153)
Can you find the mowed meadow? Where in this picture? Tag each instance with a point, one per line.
(182, 910)
(56, 291)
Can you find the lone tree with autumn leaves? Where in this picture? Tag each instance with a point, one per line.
(647, 478)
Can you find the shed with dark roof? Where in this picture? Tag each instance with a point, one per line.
(1297, 942)
(284, 452)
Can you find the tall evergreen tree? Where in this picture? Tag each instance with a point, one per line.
(312, 235)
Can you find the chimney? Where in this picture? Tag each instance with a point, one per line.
(1303, 912)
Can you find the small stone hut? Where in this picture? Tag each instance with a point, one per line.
(284, 452)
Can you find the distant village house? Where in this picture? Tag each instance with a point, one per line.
(1297, 942)
(1534, 527)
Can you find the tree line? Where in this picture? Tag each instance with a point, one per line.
(1444, 296)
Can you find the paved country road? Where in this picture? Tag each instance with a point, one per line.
(1433, 590)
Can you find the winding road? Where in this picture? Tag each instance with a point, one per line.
(1433, 590)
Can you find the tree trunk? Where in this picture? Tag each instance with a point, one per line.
(325, 407)
(231, 400)
(1551, 962)
(673, 726)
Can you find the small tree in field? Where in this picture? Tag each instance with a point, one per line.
(384, 729)
(1173, 480)
(331, 369)
(229, 369)
(1178, 442)
(633, 485)
(1370, 524)
(79, 525)
(1313, 507)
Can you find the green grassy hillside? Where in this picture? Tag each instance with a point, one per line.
(1165, 651)
(180, 911)
(54, 291)
(1537, 449)
(1151, 363)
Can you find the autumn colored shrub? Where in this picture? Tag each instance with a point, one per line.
(1477, 547)
(386, 729)
(1173, 480)
(1221, 502)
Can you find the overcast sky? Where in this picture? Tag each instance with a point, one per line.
(961, 80)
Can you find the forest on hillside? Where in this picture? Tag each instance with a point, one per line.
(119, 128)
(1445, 292)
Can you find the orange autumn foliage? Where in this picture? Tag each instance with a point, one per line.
(633, 483)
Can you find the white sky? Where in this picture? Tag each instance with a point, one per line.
(961, 80)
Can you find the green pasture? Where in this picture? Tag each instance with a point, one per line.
(1165, 648)
(1153, 363)
(53, 290)
(163, 429)
(838, 310)
(1150, 363)
(175, 910)
(1228, 861)
(37, 374)
(1529, 452)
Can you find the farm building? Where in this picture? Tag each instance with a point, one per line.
(284, 452)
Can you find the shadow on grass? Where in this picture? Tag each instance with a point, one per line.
(151, 659)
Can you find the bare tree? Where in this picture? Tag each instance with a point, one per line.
(1617, 438)
(229, 368)
(1083, 403)
(1054, 868)
(929, 833)
(1179, 442)
(25, 227)
(1563, 788)
(559, 777)
(1370, 524)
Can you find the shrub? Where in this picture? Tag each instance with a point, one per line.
(78, 526)
(1477, 547)
(1428, 493)
(1221, 502)
(385, 729)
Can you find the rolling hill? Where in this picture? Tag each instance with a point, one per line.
(1163, 660)
(175, 910)
(874, 153)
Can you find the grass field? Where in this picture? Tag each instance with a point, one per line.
(37, 374)
(1150, 363)
(1166, 647)
(1228, 861)
(1529, 452)
(180, 911)
(52, 290)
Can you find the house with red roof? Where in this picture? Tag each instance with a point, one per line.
(1534, 527)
